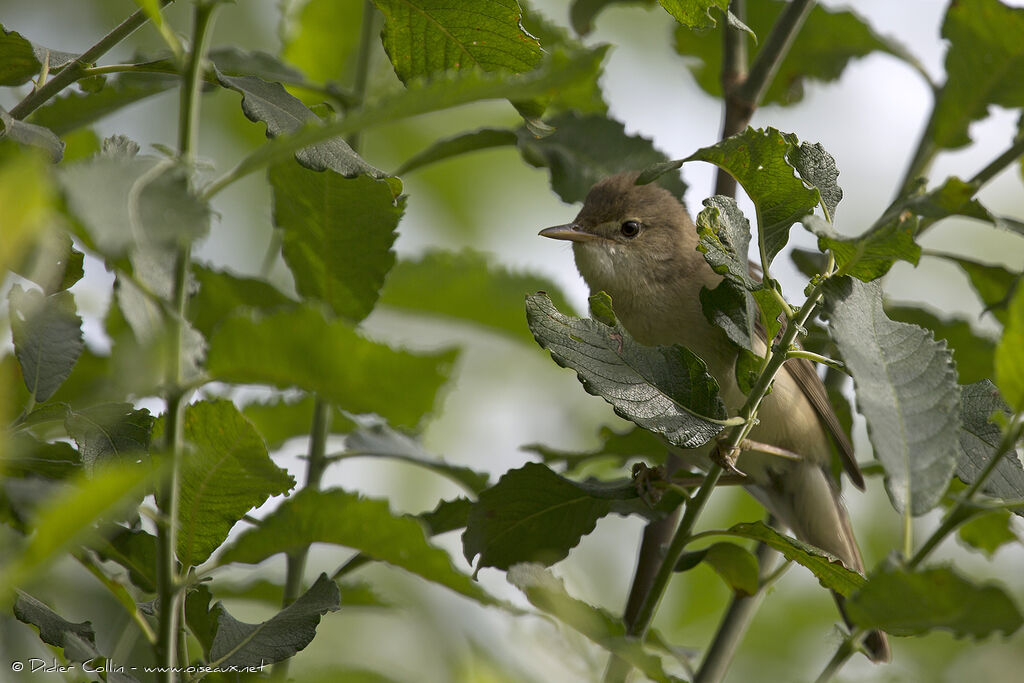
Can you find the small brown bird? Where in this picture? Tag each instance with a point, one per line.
(638, 244)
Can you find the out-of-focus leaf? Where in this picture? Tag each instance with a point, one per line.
(464, 285)
(323, 38)
(871, 255)
(1009, 359)
(547, 593)
(828, 41)
(239, 644)
(985, 55)
(633, 443)
(907, 603)
(135, 551)
(426, 37)
(365, 524)
(583, 12)
(337, 234)
(482, 138)
(585, 149)
(18, 61)
(52, 262)
(300, 348)
(994, 285)
(535, 515)
(906, 389)
(47, 335)
(972, 352)
(383, 442)
(31, 134)
(665, 389)
(227, 473)
(72, 109)
(123, 199)
(979, 442)
(28, 202)
(584, 95)
(71, 516)
(695, 14)
(735, 565)
(280, 419)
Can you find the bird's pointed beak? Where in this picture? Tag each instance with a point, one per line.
(569, 231)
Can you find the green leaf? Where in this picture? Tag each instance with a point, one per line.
(122, 199)
(280, 419)
(337, 234)
(624, 446)
(134, 550)
(110, 432)
(73, 109)
(906, 389)
(761, 161)
(221, 293)
(31, 134)
(52, 263)
(585, 94)
(557, 71)
(979, 442)
(426, 37)
(829, 570)
(953, 198)
(365, 524)
(71, 515)
(18, 61)
(988, 532)
(665, 389)
(695, 14)
(28, 201)
(322, 39)
(449, 515)
(547, 593)
(240, 644)
(226, 474)
(300, 348)
(47, 335)
(984, 59)
(465, 285)
(583, 12)
(972, 352)
(735, 565)
(383, 442)
(828, 41)
(871, 255)
(200, 617)
(1009, 358)
(78, 640)
(271, 104)
(994, 285)
(585, 149)
(906, 603)
(473, 141)
(535, 515)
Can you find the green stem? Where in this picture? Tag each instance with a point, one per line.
(362, 76)
(168, 581)
(73, 71)
(843, 653)
(734, 72)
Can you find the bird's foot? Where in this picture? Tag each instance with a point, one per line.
(726, 458)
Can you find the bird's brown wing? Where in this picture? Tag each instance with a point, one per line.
(802, 370)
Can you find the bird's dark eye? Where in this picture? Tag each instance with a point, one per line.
(630, 228)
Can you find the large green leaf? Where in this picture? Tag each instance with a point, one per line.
(110, 431)
(871, 255)
(337, 234)
(766, 163)
(365, 524)
(18, 61)
(1009, 359)
(585, 148)
(301, 348)
(972, 352)
(535, 515)
(907, 603)
(828, 41)
(47, 335)
(906, 389)
(983, 67)
(547, 593)
(238, 644)
(665, 389)
(464, 285)
(28, 202)
(122, 198)
(426, 37)
(226, 473)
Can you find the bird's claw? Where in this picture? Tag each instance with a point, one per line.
(726, 458)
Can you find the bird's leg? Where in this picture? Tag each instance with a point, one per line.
(725, 457)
